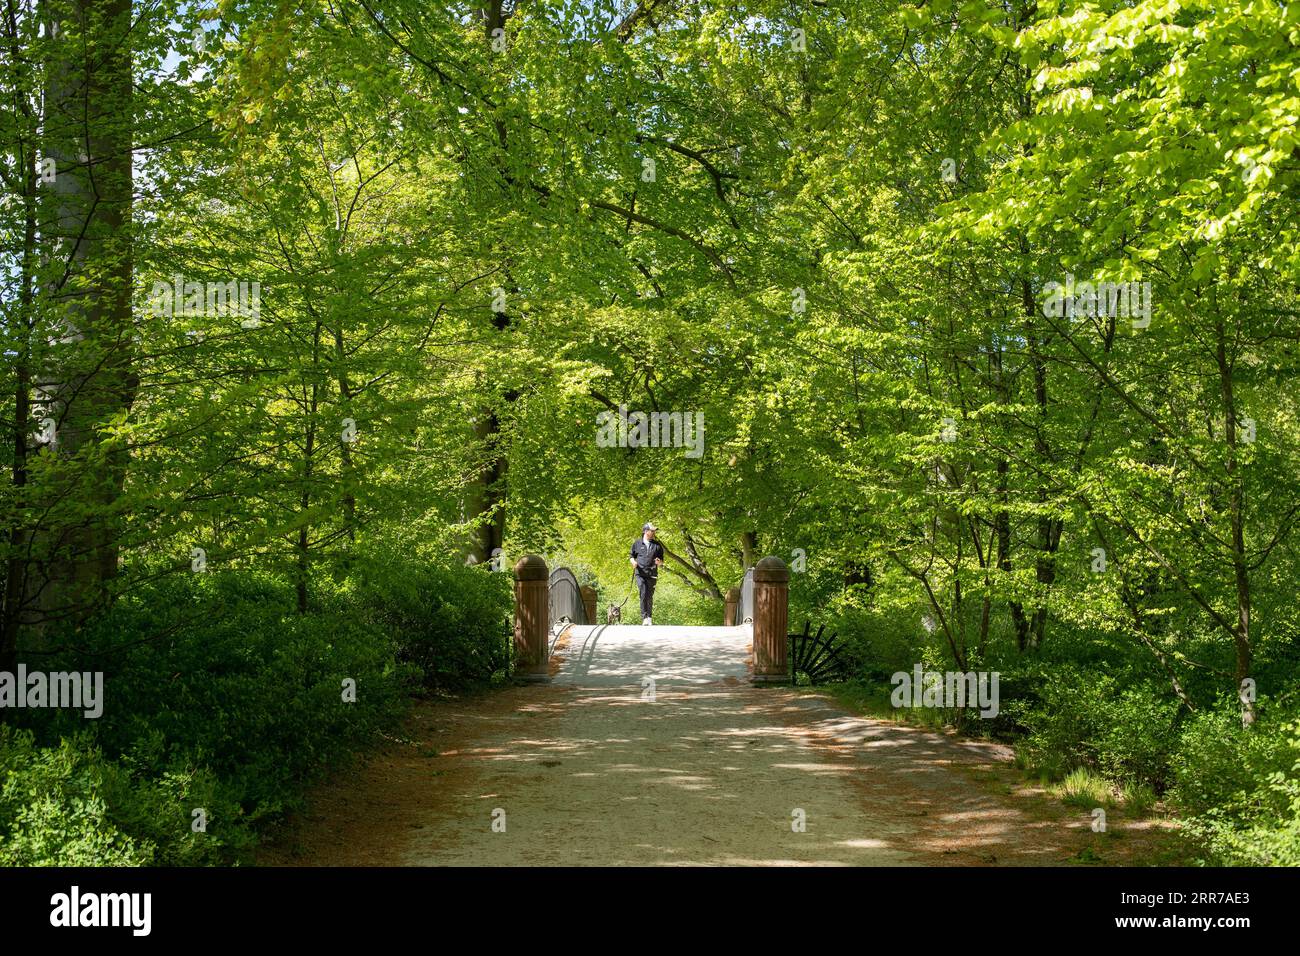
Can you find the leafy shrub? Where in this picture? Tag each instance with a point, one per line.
(216, 695)
(68, 805)
(452, 622)
(1086, 720)
(877, 644)
(53, 807)
(220, 672)
(1220, 764)
(1257, 822)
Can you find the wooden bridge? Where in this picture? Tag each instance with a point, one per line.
(558, 636)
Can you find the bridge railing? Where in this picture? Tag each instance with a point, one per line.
(544, 599)
(745, 606)
(565, 600)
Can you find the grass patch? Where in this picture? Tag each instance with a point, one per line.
(1083, 788)
(872, 700)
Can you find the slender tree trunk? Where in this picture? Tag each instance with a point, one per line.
(302, 579)
(1048, 527)
(487, 500)
(16, 565)
(1002, 530)
(748, 549)
(348, 474)
(1236, 516)
(303, 576)
(1002, 519)
(18, 538)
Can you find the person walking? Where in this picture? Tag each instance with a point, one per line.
(647, 558)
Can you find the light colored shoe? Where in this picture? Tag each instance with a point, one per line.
(646, 622)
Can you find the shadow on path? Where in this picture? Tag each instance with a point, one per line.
(707, 770)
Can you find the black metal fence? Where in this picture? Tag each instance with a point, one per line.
(817, 657)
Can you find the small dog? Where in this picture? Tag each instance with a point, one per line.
(614, 615)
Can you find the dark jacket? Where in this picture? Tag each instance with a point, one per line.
(644, 555)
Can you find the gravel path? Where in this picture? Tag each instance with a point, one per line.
(600, 768)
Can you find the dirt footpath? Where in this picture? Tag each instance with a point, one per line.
(705, 773)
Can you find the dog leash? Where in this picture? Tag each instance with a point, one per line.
(629, 593)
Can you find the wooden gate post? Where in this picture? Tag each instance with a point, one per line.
(589, 602)
(771, 621)
(733, 602)
(532, 617)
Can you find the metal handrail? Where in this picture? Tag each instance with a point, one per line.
(565, 599)
(745, 608)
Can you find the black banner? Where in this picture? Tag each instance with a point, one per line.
(333, 906)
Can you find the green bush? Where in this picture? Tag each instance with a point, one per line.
(1087, 719)
(451, 622)
(54, 810)
(216, 670)
(876, 644)
(1220, 764)
(68, 805)
(1251, 815)
(217, 695)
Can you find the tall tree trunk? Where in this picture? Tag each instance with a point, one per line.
(16, 565)
(487, 499)
(348, 472)
(17, 536)
(1002, 518)
(748, 550)
(1049, 529)
(90, 380)
(302, 579)
(1236, 516)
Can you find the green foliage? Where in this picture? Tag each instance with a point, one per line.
(219, 696)
(1087, 719)
(218, 666)
(69, 805)
(841, 261)
(1249, 811)
(877, 644)
(1083, 788)
(1221, 767)
(451, 622)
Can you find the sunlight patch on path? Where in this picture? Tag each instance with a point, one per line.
(617, 655)
(700, 776)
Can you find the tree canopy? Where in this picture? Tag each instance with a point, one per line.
(988, 309)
